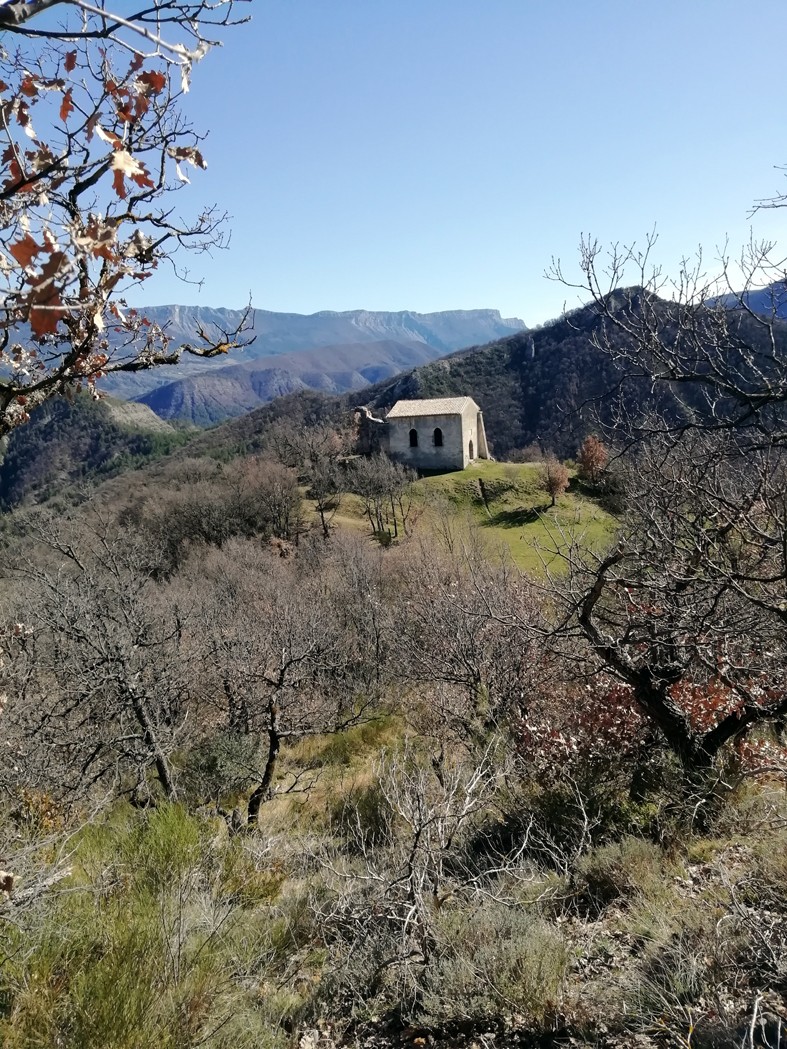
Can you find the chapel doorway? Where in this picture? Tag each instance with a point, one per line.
(471, 449)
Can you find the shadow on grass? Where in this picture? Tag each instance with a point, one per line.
(523, 515)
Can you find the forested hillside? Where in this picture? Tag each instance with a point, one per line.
(552, 385)
(68, 442)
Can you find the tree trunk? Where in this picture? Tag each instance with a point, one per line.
(321, 511)
(160, 760)
(263, 792)
(485, 499)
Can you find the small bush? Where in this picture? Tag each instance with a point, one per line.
(481, 966)
(619, 871)
(595, 810)
(678, 973)
(363, 818)
(219, 766)
(491, 963)
(126, 958)
(347, 747)
(163, 848)
(246, 879)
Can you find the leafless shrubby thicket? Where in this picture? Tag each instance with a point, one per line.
(397, 780)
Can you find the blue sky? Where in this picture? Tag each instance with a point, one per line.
(435, 154)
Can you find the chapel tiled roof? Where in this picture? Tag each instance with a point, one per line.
(436, 406)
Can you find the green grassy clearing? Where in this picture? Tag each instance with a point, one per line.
(518, 516)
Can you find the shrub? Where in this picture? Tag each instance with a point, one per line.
(222, 764)
(766, 883)
(592, 459)
(554, 478)
(493, 962)
(127, 958)
(680, 972)
(622, 869)
(482, 965)
(363, 817)
(248, 878)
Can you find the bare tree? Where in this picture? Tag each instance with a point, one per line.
(688, 607)
(468, 627)
(265, 498)
(554, 478)
(98, 676)
(276, 663)
(697, 334)
(316, 451)
(385, 489)
(361, 587)
(95, 142)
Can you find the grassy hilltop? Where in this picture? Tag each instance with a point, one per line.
(508, 506)
(517, 514)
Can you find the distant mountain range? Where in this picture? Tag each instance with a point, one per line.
(224, 393)
(546, 387)
(768, 302)
(328, 351)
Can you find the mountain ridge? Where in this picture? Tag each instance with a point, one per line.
(229, 391)
(276, 334)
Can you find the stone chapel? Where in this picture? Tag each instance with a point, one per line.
(440, 434)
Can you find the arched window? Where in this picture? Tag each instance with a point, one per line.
(413, 438)
(438, 437)
(471, 451)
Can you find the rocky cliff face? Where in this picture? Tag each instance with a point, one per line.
(448, 330)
